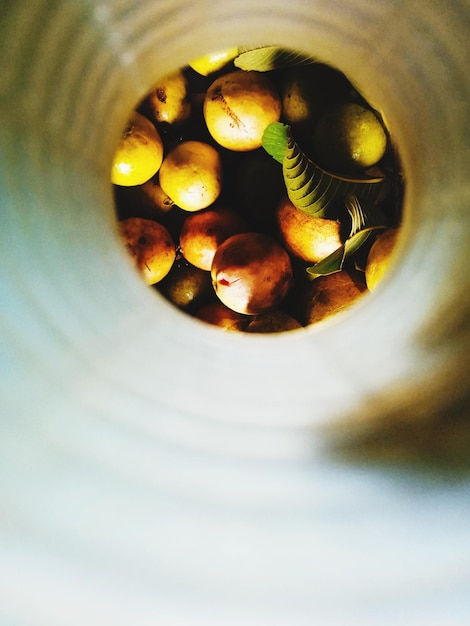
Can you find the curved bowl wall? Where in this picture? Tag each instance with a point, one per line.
(149, 458)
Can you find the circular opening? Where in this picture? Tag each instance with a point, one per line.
(257, 190)
(60, 209)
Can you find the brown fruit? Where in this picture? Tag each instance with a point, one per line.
(150, 245)
(308, 238)
(238, 107)
(251, 273)
(147, 200)
(202, 233)
(329, 295)
(217, 314)
(154, 197)
(275, 322)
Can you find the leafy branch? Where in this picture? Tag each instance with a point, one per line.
(310, 188)
(363, 223)
(315, 192)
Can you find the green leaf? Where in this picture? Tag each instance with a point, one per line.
(364, 216)
(364, 220)
(329, 265)
(275, 140)
(314, 191)
(267, 58)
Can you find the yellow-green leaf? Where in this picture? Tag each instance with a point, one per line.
(267, 58)
(274, 140)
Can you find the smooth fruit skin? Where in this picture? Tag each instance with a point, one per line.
(349, 138)
(187, 287)
(191, 175)
(152, 195)
(213, 62)
(251, 273)
(217, 314)
(307, 91)
(274, 322)
(380, 257)
(238, 107)
(139, 154)
(311, 239)
(202, 233)
(150, 245)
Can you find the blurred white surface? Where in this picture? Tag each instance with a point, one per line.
(154, 471)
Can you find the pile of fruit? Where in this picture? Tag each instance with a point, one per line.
(257, 190)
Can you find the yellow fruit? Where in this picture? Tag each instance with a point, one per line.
(169, 100)
(213, 62)
(238, 107)
(150, 245)
(308, 238)
(191, 175)
(380, 257)
(139, 153)
(349, 138)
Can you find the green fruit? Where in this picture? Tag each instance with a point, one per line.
(349, 138)
(275, 322)
(187, 287)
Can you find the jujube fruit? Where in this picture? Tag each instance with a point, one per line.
(203, 232)
(238, 107)
(380, 257)
(251, 273)
(139, 154)
(349, 138)
(168, 100)
(308, 238)
(150, 246)
(191, 175)
(329, 295)
(217, 314)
